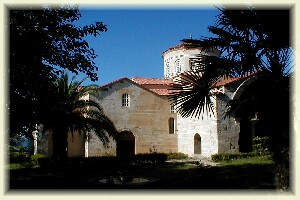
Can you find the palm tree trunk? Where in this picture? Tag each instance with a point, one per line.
(279, 127)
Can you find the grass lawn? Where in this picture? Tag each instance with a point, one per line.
(259, 160)
(250, 173)
(15, 166)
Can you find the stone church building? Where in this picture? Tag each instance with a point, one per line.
(147, 121)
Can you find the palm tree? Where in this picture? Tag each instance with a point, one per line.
(250, 43)
(69, 111)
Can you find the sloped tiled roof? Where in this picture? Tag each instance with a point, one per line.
(162, 92)
(186, 44)
(155, 81)
(159, 92)
(115, 81)
(231, 80)
(227, 81)
(145, 82)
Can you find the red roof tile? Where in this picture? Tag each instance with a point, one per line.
(146, 82)
(186, 44)
(162, 92)
(227, 81)
(115, 81)
(141, 82)
(230, 80)
(151, 81)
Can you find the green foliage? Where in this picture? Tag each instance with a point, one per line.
(110, 161)
(178, 155)
(15, 149)
(22, 161)
(71, 112)
(255, 160)
(19, 151)
(251, 47)
(192, 93)
(34, 159)
(13, 166)
(103, 162)
(150, 158)
(251, 44)
(261, 144)
(235, 156)
(44, 40)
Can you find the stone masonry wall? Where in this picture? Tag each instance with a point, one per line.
(147, 118)
(228, 128)
(75, 144)
(205, 126)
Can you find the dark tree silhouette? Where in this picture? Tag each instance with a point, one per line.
(43, 40)
(250, 43)
(70, 111)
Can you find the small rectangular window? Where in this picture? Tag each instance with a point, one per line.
(125, 100)
(172, 108)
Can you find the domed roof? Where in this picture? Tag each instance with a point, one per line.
(186, 44)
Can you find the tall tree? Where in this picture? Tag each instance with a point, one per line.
(249, 42)
(70, 111)
(43, 40)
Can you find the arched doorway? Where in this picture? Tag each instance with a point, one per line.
(197, 144)
(125, 144)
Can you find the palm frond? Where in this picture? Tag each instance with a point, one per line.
(192, 94)
(96, 122)
(72, 112)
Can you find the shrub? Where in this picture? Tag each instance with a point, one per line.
(261, 144)
(150, 158)
(234, 156)
(35, 159)
(178, 155)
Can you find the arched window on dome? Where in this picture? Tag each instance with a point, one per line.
(178, 66)
(125, 100)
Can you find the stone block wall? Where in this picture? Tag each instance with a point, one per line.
(96, 148)
(76, 144)
(228, 127)
(146, 118)
(205, 126)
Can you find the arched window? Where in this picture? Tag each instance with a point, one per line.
(197, 144)
(171, 125)
(125, 100)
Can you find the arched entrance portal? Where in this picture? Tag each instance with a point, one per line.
(125, 144)
(197, 144)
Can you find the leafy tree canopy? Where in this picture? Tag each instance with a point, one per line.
(43, 41)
